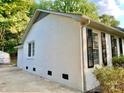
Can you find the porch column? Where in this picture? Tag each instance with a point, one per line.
(118, 47)
(85, 47)
(108, 49)
(123, 45)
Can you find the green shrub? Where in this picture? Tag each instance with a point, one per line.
(111, 79)
(118, 61)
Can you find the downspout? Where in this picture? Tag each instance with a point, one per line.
(82, 55)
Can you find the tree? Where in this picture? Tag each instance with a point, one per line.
(14, 16)
(46, 5)
(4, 25)
(33, 8)
(71, 6)
(109, 20)
(78, 7)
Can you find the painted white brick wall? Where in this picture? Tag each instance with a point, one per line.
(57, 48)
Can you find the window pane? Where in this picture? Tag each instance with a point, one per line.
(95, 48)
(114, 46)
(120, 45)
(90, 57)
(33, 48)
(104, 54)
(29, 49)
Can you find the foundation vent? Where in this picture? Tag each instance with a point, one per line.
(49, 73)
(65, 76)
(34, 69)
(26, 67)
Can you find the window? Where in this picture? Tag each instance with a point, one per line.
(31, 49)
(114, 46)
(104, 54)
(92, 48)
(120, 46)
(95, 48)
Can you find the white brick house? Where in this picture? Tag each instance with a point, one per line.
(65, 47)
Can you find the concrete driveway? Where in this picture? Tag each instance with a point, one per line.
(13, 79)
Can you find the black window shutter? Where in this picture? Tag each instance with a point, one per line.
(104, 53)
(120, 45)
(90, 48)
(29, 50)
(114, 46)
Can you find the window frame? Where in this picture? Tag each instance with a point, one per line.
(96, 47)
(90, 54)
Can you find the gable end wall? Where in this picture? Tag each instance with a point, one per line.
(57, 48)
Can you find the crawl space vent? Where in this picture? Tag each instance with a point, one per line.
(26, 67)
(34, 69)
(49, 73)
(65, 76)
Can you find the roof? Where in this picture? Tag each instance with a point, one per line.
(122, 29)
(39, 14)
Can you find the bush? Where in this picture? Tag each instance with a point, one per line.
(111, 79)
(118, 61)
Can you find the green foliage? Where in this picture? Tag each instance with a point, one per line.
(46, 4)
(109, 20)
(10, 42)
(14, 16)
(71, 6)
(118, 61)
(33, 8)
(16, 12)
(111, 79)
(78, 7)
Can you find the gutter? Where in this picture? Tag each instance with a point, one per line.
(82, 55)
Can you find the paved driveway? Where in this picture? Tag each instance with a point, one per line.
(13, 79)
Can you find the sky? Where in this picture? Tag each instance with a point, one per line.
(111, 7)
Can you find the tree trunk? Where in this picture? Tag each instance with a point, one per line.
(3, 48)
(2, 34)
